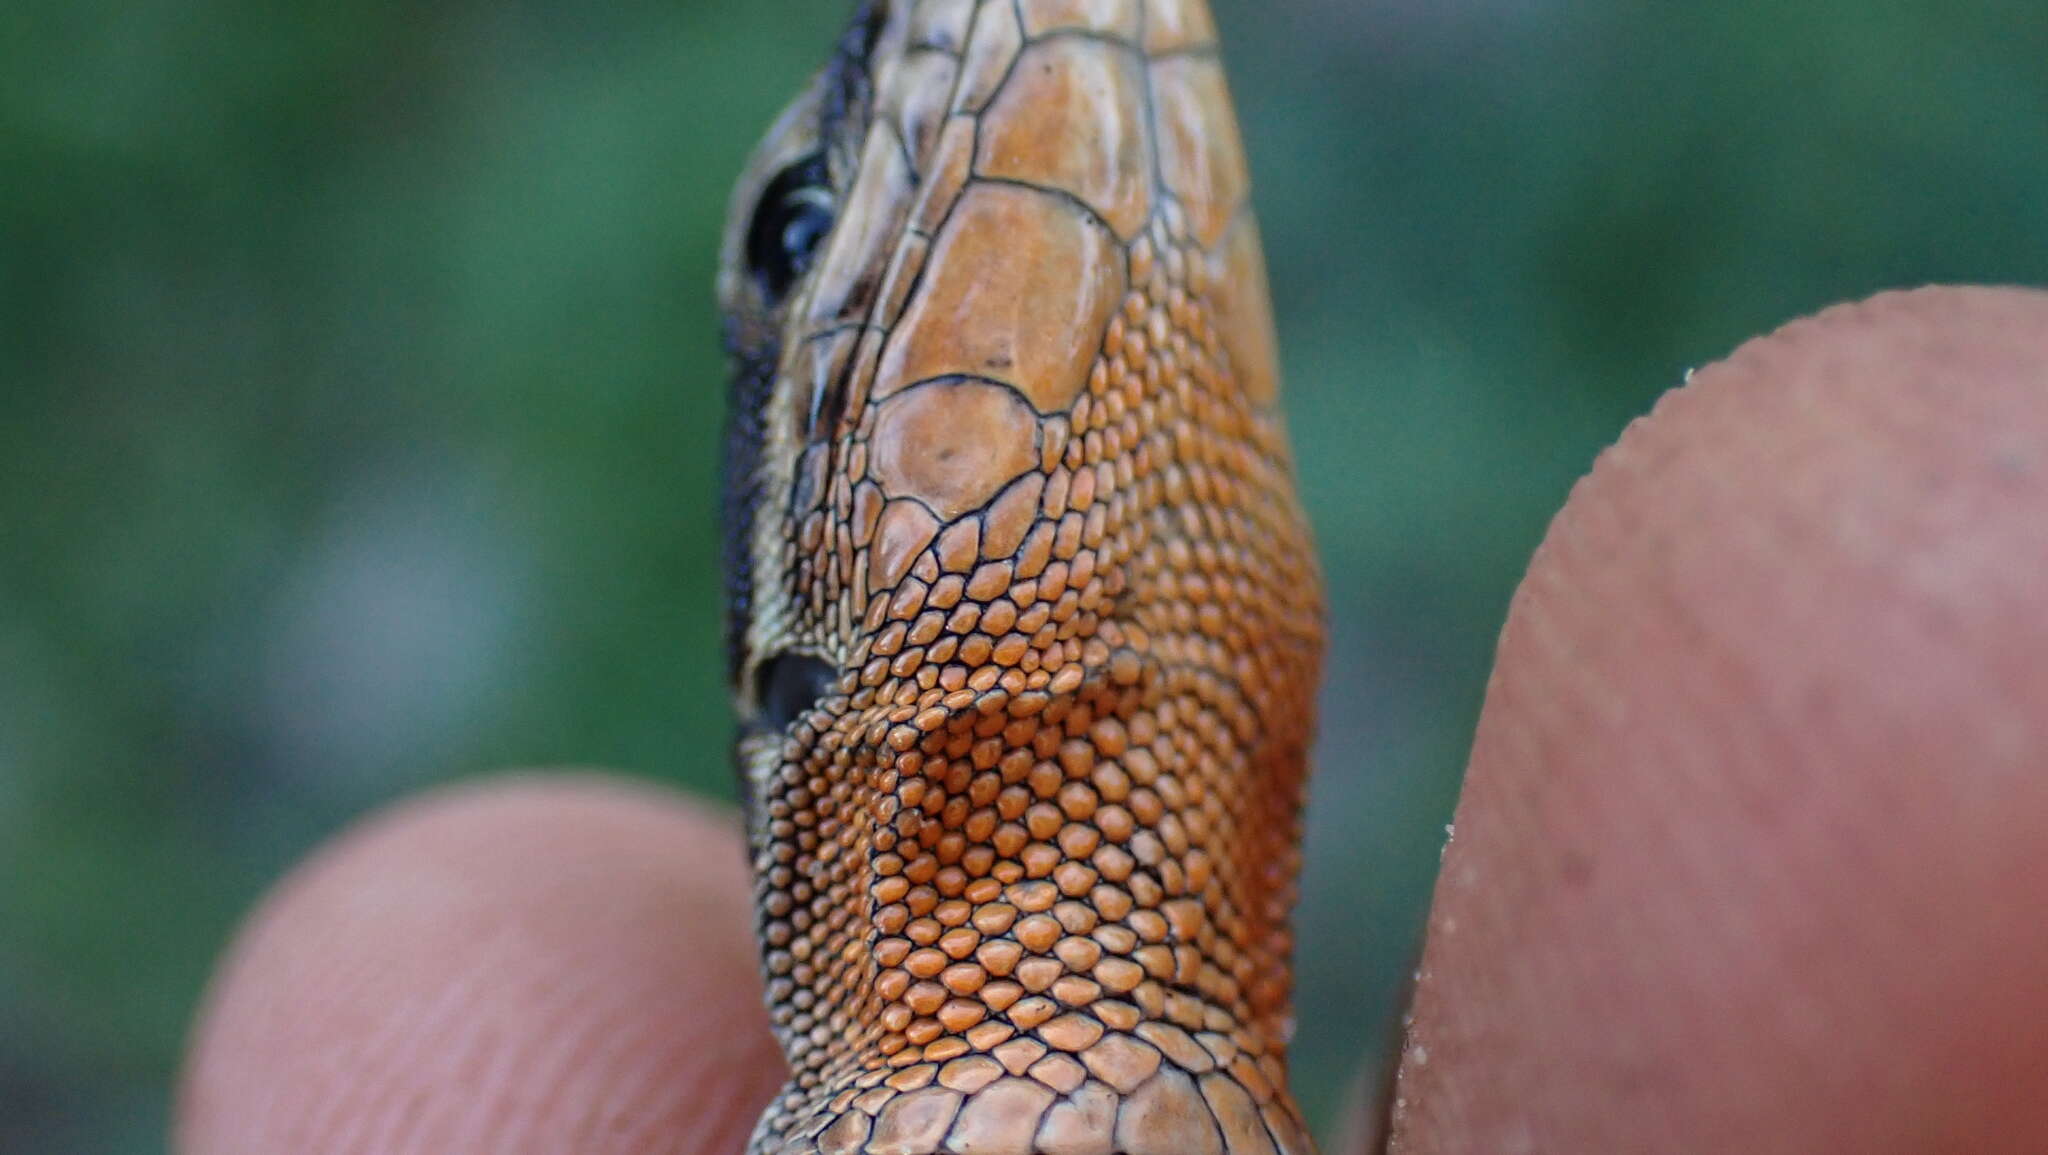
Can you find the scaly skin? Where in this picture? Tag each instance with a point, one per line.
(1026, 624)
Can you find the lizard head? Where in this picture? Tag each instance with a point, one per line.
(1024, 623)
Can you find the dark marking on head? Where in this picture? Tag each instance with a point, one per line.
(849, 87)
(754, 334)
(754, 350)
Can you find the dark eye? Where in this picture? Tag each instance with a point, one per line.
(795, 214)
(787, 686)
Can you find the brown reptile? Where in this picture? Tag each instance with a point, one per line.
(1025, 624)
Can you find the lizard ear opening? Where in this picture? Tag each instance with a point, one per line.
(789, 685)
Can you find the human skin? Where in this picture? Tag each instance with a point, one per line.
(1749, 855)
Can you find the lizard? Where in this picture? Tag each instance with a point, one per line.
(1024, 619)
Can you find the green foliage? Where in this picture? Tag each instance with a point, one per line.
(361, 392)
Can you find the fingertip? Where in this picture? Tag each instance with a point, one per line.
(1750, 848)
(540, 963)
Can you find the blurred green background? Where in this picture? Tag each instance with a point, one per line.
(360, 393)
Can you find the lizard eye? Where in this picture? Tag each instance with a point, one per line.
(795, 214)
(789, 685)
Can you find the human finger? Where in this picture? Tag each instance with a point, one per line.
(1751, 851)
(540, 963)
